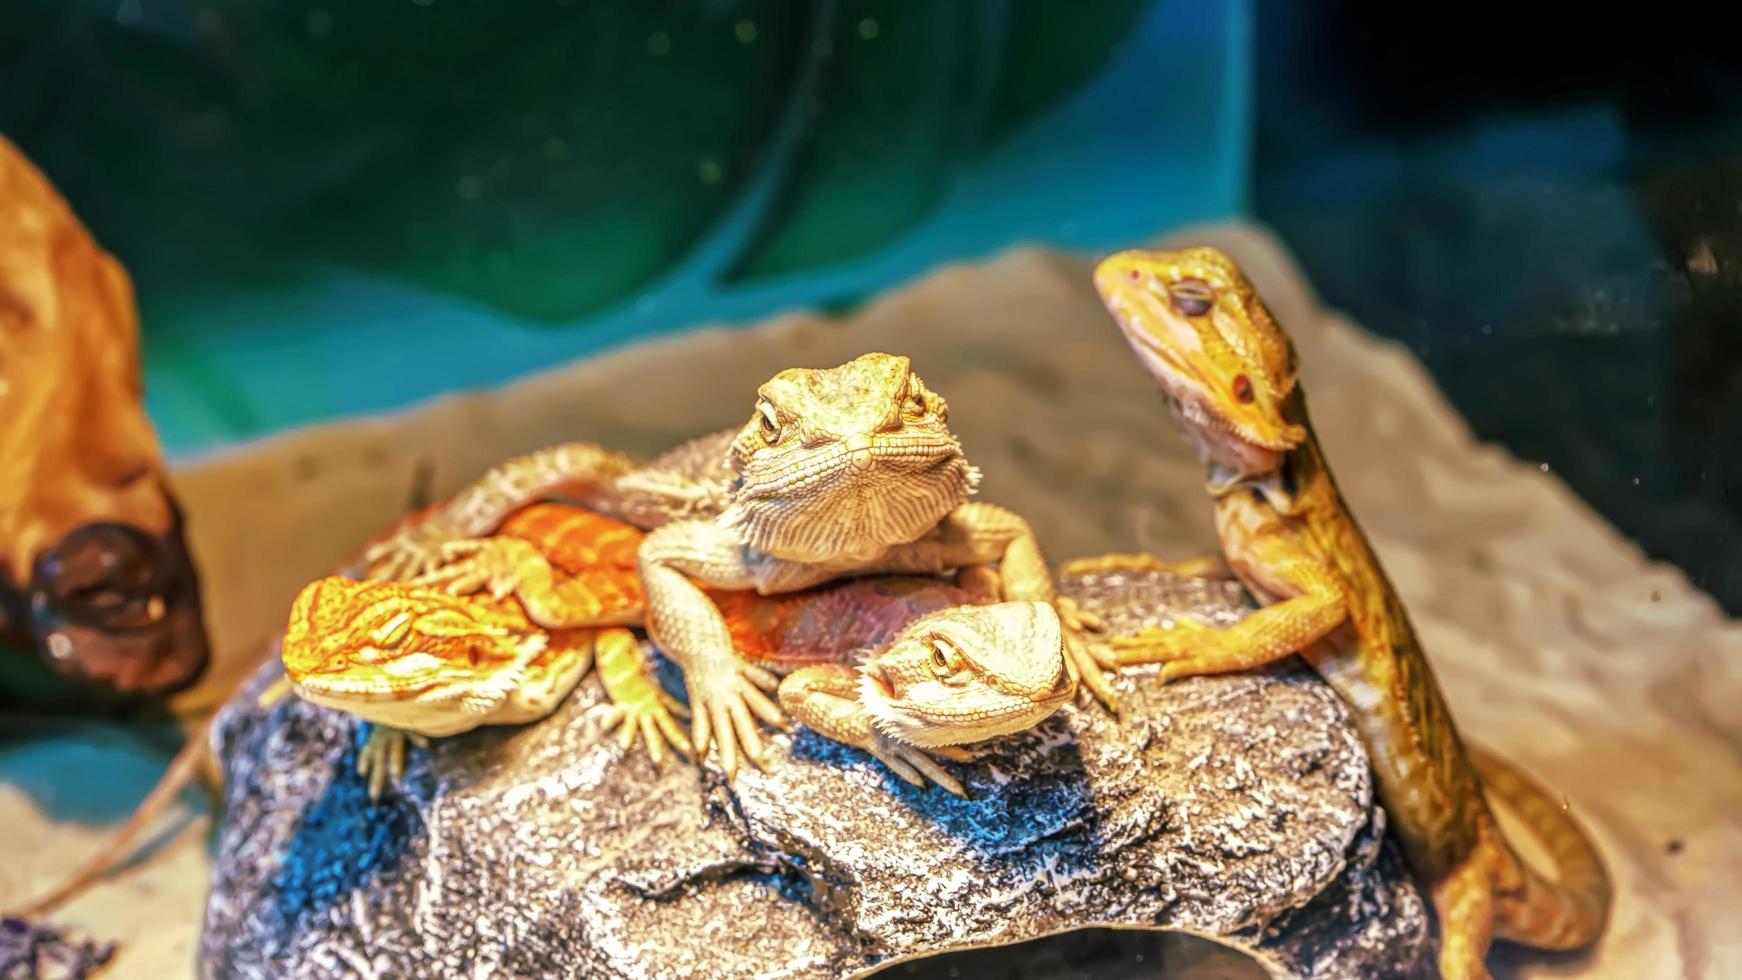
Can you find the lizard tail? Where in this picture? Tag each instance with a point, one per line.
(182, 770)
(1568, 912)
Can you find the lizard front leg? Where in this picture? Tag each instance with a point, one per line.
(478, 509)
(724, 690)
(1317, 604)
(825, 699)
(639, 706)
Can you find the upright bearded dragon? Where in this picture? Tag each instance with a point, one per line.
(1229, 374)
(840, 471)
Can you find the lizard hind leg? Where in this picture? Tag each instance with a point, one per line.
(640, 708)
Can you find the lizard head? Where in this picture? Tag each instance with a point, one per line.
(400, 655)
(968, 673)
(845, 461)
(1224, 367)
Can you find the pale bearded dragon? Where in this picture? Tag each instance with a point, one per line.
(1229, 374)
(840, 471)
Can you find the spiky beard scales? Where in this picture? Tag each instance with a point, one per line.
(835, 505)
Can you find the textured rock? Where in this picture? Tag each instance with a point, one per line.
(29, 951)
(1236, 808)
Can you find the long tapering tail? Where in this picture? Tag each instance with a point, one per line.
(1568, 912)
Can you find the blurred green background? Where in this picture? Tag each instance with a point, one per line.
(341, 207)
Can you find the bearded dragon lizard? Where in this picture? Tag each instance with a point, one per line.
(1229, 374)
(417, 663)
(840, 471)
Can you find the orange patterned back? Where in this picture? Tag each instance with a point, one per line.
(575, 540)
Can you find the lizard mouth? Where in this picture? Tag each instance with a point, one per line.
(894, 454)
(833, 502)
(1191, 408)
(953, 722)
(877, 681)
(367, 690)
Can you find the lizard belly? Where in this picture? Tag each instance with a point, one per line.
(436, 720)
(1428, 816)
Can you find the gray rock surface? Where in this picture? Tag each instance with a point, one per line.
(1235, 808)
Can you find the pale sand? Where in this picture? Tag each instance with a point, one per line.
(1610, 677)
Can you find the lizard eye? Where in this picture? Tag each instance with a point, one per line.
(1243, 389)
(1191, 297)
(943, 655)
(393, 630)
(770, 426)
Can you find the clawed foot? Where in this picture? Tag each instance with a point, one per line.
(723, 697)
(1085, 657)
(652, 719)
(409, 553)
(470, 564)
(381, 760)
(915, 765)
(1184, 650)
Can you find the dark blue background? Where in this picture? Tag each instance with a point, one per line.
(1546, 206)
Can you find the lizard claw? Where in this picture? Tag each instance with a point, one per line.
(1157, 645)
(1086, 669)
(1074, 617)
(640, 708)
(724, 697)
(760, 676)
(653, 723)
(1085, 658)
(408, 553)
(470, 564)
(381, 760)
(915, 765)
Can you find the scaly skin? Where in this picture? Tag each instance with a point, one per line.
(839, 472)
(1229, 374)
(947, 664)
(417, 662)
